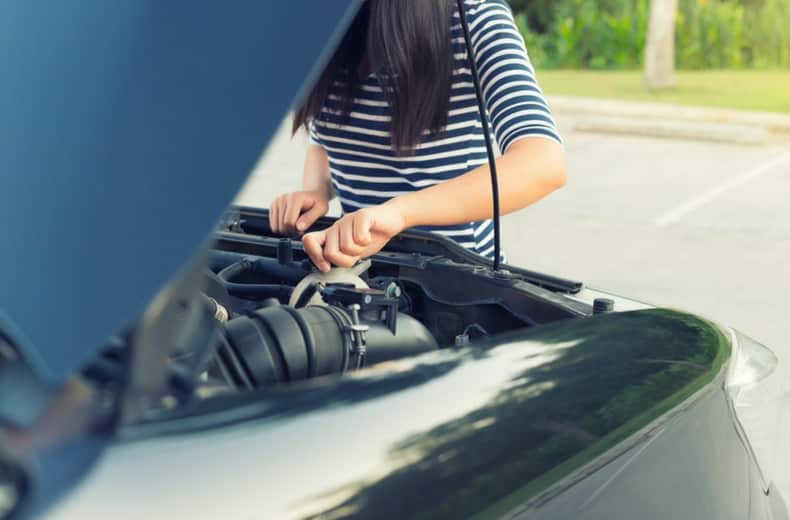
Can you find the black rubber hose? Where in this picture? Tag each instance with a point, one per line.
(259, 290)
(235, 270)
(290, 273)
(306, 295)
(280, 344)
(251, 290)
(219, 260)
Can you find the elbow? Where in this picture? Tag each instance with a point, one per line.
(555, 174)
(559, 177)
(549, 169)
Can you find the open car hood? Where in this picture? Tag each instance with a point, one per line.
(127, 128)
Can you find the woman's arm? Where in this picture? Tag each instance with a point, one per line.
(531, 168)
(294, 212)
(316, 175)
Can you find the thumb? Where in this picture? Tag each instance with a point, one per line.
(313, 244)
(363, 223)
(312, 212)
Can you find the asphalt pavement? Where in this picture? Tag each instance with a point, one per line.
(700, 226)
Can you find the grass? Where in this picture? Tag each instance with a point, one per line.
(761, 90)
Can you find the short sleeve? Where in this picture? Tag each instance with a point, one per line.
(514, 100)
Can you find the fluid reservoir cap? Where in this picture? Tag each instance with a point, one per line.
(603, 305)
(336, 275)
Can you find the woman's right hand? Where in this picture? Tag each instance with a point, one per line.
(295, 212)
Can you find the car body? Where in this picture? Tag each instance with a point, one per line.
(125, 392)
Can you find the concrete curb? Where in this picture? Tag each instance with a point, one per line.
(772, 121)
(674, 129)
(674, 121)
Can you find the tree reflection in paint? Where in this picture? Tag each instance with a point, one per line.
(621, 371)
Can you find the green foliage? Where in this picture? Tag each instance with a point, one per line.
(611, 34)
(710, 34)
(582, 33)
(767, 40)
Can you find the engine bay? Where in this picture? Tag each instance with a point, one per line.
(282, 321)
(251, 313)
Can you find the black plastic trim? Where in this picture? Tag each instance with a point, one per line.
(420, 245)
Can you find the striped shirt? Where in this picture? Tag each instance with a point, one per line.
(366, 171)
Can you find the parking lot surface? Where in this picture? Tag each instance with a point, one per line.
(700, 226)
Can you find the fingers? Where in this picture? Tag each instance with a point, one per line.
(286, 212)
(332, 250)
(344, 243)
(309, 217)
(274, 214)
(363, 222)
(348, 244)
(313, 244)
(297, 202)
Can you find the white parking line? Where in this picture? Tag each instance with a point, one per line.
(677, 213)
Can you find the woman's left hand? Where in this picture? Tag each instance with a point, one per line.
(354, 236)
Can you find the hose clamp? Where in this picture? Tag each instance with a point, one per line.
(358, 331)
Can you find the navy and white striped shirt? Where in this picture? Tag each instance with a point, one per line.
(364, 167)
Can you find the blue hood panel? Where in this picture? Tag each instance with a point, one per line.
(126, 129)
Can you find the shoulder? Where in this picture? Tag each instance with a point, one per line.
(484, 15)
(475, 8)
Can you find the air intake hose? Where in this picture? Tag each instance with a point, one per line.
(281, 343)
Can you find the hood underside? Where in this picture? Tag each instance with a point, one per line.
(126, 130)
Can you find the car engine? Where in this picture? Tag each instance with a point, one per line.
(281, 320)
(325, 323)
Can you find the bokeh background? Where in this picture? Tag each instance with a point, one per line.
(679, 191)
(730, 53)
(605, 34)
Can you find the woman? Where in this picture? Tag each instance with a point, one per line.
(395, 131)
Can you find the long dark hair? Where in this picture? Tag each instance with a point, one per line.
(407, 45)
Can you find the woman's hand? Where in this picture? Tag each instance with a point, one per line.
(354, 236)
(294, 212)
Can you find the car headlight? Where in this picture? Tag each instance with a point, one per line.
(756, 396)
